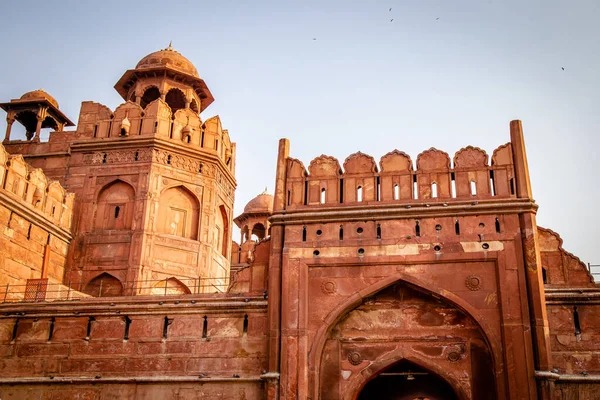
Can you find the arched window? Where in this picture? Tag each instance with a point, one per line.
(258, 232)
(179, 213)
(151, 94)
(396, 192)
(104, 285)
(323, 195)
(359, 194)
(115, 206)
(434, 193)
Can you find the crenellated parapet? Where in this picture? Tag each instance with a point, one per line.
(182, 127)
(32, 189)
(469, 175)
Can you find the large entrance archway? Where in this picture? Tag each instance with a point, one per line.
(407, 381)
(404, 328)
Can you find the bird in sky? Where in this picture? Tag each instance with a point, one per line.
(563, 68)
(314, 38)
(437, 18)
(392, 20)
(390, 9)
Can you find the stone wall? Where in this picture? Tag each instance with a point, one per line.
(181, 347)
(35, 224)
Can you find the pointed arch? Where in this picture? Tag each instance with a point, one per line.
(114, 206)
(176, 99)
(179, 213)
(169, 286)
(150, 94)
(414, 362)
(357, 298)
(222, 232)
(104, 285)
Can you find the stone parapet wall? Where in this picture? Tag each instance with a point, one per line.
(180, 344)
(35, 224)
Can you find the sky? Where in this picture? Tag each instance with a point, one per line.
(336, 77)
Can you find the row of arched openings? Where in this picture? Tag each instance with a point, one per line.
(175, 98)
(28, 124)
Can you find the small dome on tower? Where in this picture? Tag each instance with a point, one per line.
(263, 203)
(40, 94)
(168, 58)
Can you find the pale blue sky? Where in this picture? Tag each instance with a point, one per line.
(365, 84)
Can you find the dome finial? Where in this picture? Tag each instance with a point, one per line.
(170, 45)
(265, 191)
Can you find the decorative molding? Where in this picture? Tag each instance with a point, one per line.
(329, 287)
(355, 358)
(474, 282)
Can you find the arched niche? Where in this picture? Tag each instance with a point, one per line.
(179, 213)
(115, 206)
(104, 285)
(222, 231)
(170, 286)
(258, 232)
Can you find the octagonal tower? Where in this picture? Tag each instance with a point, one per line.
(154, 184)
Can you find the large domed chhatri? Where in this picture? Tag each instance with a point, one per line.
(161, 72)
(263, 203)
(168, 57)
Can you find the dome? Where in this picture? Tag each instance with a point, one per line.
(40, 94)
(168, 58)
(263, 203)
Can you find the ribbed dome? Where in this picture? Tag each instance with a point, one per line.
(168, 58)
(263, 203)
(40, 94)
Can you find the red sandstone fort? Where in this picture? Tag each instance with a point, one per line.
(397, 279)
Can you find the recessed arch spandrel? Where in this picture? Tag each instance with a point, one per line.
(470, 157)
(433, 160)
(324, 166)
(360, 163)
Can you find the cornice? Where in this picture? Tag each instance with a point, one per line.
(572, 295)
(135, 305)
(34, 216)
(403, 210)
(161, 144)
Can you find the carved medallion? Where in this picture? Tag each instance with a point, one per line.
(454, 353)
(473, 282)
(328, 287)
(355, 358)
